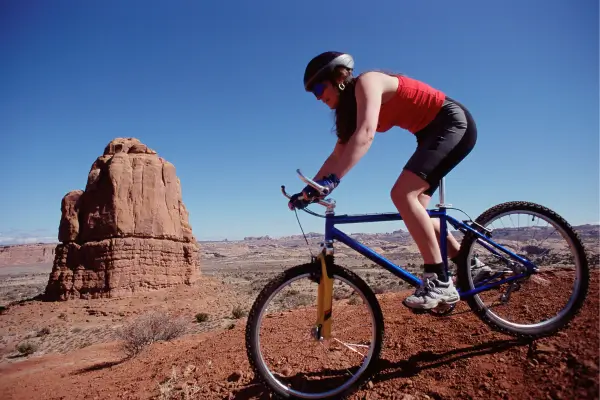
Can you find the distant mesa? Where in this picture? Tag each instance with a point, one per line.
(252, 238)
(128, 231)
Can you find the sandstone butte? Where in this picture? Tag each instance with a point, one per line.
(128, 231)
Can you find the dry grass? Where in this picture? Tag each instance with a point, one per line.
(238, 312)
(27, 348)
(149, 328)
(173, 388)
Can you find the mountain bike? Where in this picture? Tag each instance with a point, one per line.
(494, 271)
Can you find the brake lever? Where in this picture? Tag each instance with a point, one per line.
(321, 202)
(322, 189)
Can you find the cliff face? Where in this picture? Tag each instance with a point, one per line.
(26, 254)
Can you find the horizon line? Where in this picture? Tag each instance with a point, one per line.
(24, 242)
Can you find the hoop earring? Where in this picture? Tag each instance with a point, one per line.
(341, 86)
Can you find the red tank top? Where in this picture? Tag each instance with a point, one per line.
(413, 107)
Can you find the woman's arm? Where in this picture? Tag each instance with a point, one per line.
(368, 94)
(329, 164)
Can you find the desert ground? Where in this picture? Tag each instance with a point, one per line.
(73, 349)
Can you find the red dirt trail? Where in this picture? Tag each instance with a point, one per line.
(424, 357)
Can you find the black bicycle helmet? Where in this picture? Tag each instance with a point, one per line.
(321, 66)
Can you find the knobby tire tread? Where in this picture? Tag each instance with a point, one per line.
(279, 280)
(463, 269)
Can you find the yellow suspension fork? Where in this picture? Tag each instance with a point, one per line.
(324, 301)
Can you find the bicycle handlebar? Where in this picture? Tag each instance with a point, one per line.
(322, 190)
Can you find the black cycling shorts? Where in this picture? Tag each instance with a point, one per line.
(443, 143)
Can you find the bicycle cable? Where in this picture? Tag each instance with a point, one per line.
(305, 239)
(458, 209)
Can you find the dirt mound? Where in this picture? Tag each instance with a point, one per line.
(457, 357)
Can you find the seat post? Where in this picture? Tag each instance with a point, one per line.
(442, 191)
(443, 227)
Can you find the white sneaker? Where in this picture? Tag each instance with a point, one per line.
(479, 271)
(432, 293)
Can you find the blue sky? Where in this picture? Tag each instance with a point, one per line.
(216, 88)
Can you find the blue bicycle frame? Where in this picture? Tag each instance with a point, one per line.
(332, 233)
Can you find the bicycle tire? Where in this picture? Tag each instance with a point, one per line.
(252, 348)
(463, 271)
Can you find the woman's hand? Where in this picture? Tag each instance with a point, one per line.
(309, 194)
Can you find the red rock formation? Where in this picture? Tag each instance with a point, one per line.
(127, 232)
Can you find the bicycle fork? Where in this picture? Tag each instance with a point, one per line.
(322, 329)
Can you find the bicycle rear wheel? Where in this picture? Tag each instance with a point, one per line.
(281, 345)
(556, 291)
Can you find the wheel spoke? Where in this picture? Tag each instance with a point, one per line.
(349, 346)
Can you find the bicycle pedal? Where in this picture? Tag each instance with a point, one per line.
(417, 311)
(443, 310)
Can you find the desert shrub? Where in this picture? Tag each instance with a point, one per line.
(258, 284)
(201, 317)
(44, 331)
(304, 299)
(26, 348)
(149, 328)
(341, 294)
(355, 300)
(238, 312)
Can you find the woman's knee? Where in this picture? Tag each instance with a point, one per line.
(408, 187)
(424, 199)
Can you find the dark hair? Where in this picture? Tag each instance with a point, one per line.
(345, 112)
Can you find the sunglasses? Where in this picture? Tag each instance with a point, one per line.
(318, 89)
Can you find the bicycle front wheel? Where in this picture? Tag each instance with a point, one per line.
(281, 344)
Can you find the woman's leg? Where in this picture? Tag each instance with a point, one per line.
(441, 146)
(436, 288)
(405, 196)
(453, 245)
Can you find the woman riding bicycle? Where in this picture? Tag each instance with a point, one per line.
(445, 133)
